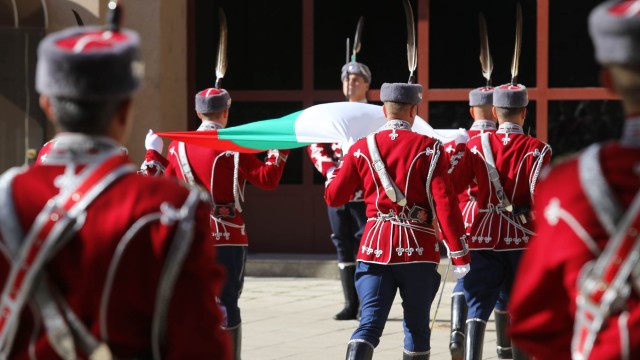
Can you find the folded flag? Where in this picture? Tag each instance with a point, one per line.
(343, 122)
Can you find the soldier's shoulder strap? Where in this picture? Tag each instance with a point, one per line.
(597, 190)
(185, 167)
(603, 285)
(56, 223)
(178, 251)
(390, 187)
(494, 176)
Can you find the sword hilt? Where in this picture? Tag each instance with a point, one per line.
(114, 16)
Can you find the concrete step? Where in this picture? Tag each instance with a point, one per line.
(323, 266)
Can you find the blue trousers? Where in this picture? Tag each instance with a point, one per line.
(491, 273)
(347, 225)
(377, 286)
(233, 258)
(501, 303)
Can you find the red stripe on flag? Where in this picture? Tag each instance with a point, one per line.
(208, 139)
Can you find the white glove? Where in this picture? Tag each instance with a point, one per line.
(459, 271)
(329, 173)
(153, 142)
(345, 146)
(462, 137)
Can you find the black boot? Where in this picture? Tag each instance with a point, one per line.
(458, 319)
(236, 341)
(359, 350)
(474, 341)
(503, 343)
(406, 356)
(518, 354)
(350, 311)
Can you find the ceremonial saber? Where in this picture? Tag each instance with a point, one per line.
(412, 59)
(78, 18)
(444, 281)
(516, 52)
(486, 62)
(347, 65)
(347, 58)
(114, 16)
(357, 42)
(221, 64)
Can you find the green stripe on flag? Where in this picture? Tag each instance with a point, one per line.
(266, 134)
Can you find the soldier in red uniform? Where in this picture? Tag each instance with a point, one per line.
(223, 174)
(111, 264)
(576, 295)
(405, 182)
(481, 110)
(505, 167)
(347, 221)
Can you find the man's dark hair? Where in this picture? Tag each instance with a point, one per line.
(212, 115)
(508, 112)
(87, 117)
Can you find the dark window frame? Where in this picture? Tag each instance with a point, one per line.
(540, 95)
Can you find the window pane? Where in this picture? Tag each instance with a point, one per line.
(264, 43)
(246, 112)
(455, 45)
(384, 40)
(449, 115)
(571, 61)
(574, 125)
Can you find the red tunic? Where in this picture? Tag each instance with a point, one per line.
(467, 197)
(128, 228)
(44, 152)
(543, 301)
(394, 233)
(214, 170)
(518, 160)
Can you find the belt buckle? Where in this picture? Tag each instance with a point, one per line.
(224, 211)
(419, 214)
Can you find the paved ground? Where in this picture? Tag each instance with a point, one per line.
(291, 318)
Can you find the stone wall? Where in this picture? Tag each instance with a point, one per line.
(161, 103)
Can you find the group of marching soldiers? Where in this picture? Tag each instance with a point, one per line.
(99, 262)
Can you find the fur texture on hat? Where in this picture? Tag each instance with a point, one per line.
(615, 30)
(510, 96)
(356, 68)
(88, 63)
(401, 93)
(481, 96)
(212, 100)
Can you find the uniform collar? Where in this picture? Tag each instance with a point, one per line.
(396, 124)
(631, 132)
(209, 125)
(80, 148)
(510, 128)
(83, 143)
(483, 125)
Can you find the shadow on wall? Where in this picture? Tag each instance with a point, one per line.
(23, 127)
